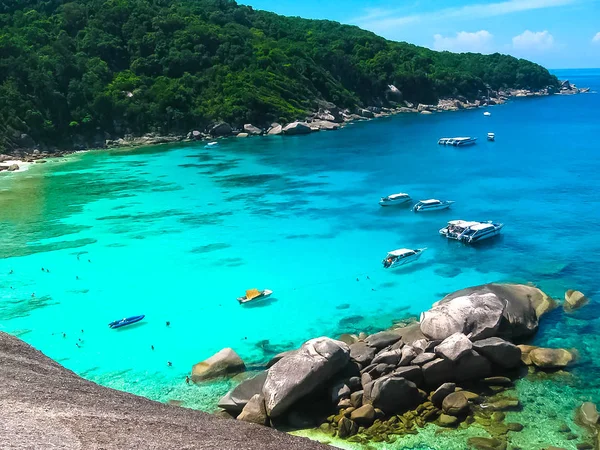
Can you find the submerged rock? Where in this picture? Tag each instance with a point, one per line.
(588, 414)
(447, 421)
(482, 443)
(301, 373)
(455, 404)
(550, 358)
(222, 363)
(574, 300)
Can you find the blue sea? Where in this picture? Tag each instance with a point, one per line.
(178, 232)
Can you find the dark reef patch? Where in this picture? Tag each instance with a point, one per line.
(210, 248)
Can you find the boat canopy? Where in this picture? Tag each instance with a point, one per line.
(481, 226)
(431, 201)
(401, 252)
(394, 196)
(252, 293)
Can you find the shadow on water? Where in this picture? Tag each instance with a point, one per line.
(130, 327)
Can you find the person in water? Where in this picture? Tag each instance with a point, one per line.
(187, 379)
(168, 323)
(169, 363)
(152, 347)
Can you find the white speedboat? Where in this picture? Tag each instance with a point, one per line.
(455, 228)
(487, 113)
(432, 205)
(479, 232)
(395, 199)
(491, 137)
(402, 257)
(212, 145)
(463, 141)
(254, 295)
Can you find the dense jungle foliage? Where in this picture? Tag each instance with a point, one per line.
(88, 66)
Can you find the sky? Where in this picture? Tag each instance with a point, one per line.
(558, 34)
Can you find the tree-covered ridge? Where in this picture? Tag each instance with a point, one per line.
(90, 66)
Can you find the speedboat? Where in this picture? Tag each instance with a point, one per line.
(432, 205)
(479, 232)
(491, 137)
(213, 144)
(487, 113)
(401, 257)
(395, 199)
(463, 141)
(254, 295)
(125, 321)
(455, 228)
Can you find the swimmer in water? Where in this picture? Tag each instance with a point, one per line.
(152, 347)
(168, 323)
(169, 363)
(187, 380)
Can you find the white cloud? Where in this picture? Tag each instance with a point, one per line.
(478, 42)
(529, 40)
(382, 19)
(596, 38)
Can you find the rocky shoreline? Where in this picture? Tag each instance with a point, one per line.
(454, 368)
(328, 117)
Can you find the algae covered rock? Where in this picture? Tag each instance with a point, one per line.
(455, 404)
(224, 362)
(587, 414)
(346, 428)
(363, 416)
(441, 393)
(447, 421)
(301, 373)
(482, 443)
(550, 358)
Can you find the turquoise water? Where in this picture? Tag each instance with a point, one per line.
(178, 232)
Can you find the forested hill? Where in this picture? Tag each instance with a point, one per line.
(91, 66)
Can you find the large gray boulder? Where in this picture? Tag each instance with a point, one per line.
(388, 357)
(252, 130)
(234, 401)
(454, 347)
(411, 373)
(299, 374)
(502, 353)
(326, 125)
(437, 372)
(297, 128)
(472, 366)
(408, 355)
(222, 363)
(424, 358)
(275, 130)
(362, 353)
(219, 129)
(489, 310)
(392, 394)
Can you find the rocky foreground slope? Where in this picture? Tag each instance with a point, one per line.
(44, 405)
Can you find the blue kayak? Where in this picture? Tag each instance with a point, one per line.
(125, 321)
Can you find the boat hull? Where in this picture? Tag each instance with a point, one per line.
(478, 238)
(405, 261)
(403, 201)
(125, 322)
(264, 295)
(425, 208)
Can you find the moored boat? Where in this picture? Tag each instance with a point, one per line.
(458, 141)
(479, 232)
(401, 257)
(213, 144)
(125, 321)
(491, 137)
(487, 113)
(455, 228)
(432, 205)
(395, 199)
(254, 295)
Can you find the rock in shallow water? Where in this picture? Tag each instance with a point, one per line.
(574, 300)
(455, 404)
(301, 373)
(441, 393)
(550, 358)
(235, 400)
(222, 363)
(454, 346)
(392, 394)
(499, 351)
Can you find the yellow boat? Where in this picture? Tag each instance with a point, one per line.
(254, 295)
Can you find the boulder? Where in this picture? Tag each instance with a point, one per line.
(252, 130)
(255, 411)
(437, 372)
(275, 130)
(455, 404)
(483, 443)
(348, 338)
(447, 421)
(301, 373)
(354, 383)
(326, 125)
(472, 366)
(424, 358)
(525, 352)
(425, 112)
(411, 373)
(486, 311)
(365, 113)
(13, 167)
(219, 129)
(588, 414)
(454, 347)
(196, 135)
(383, 339)
(498, 351)
(222, 363)
(25, 141)
(574, 300)
(420, 345)
(441, 393)
(234, 401)
(388, 357)
(356, 399)
(339, 392)
(363, 416)
(392, 394)
(408, 355)
(550, 358)
(242, 135)
(362, 353)
(346, 428)
(279, 356)
(297, 128)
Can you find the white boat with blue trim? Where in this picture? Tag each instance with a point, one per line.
(480, 232)
(432, 205)
(402, 257)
